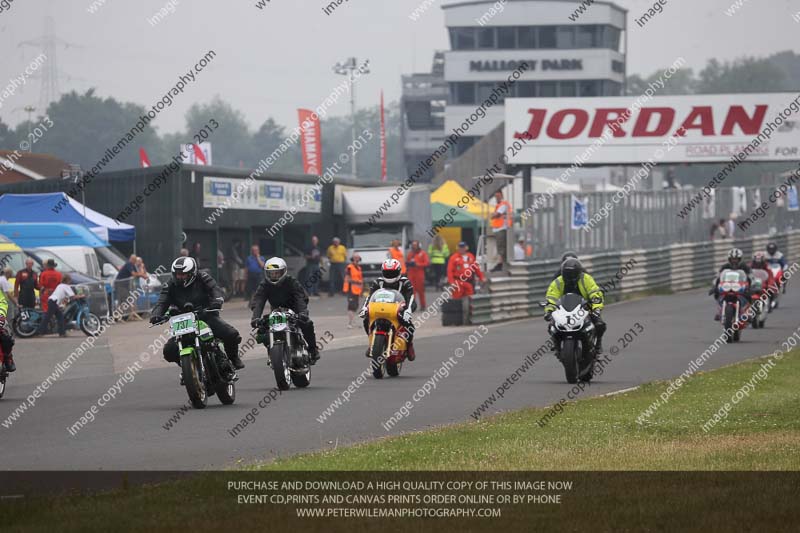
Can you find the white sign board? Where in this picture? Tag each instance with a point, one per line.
(717, 127)
(234, 193)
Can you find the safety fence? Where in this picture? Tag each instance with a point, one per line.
(135, 297)
(667, 268)
(647, 219)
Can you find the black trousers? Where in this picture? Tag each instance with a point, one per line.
(6, 341)
(306, 325)
(52, 310)
(222, 330)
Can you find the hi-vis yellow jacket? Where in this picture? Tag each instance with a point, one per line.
(586, 286)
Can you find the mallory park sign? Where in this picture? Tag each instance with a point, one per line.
(533, 64)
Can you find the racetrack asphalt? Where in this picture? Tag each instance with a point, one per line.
(129, 433)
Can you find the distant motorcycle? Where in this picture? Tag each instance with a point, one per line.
(76, 316)
(388, 348)
(287, 348)
(733, 306)
(758, 289)
(777, 275)
(572, 325)
(205, 368)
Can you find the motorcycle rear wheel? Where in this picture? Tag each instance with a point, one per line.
(198, 396)
(25, 329)
(570, 358)
(278, 361)
(226, 392)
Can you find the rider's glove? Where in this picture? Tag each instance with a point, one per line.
(363, 312)
(548, 316)
(254, 323)
(155, 319)
(407, 315)
(596, 314)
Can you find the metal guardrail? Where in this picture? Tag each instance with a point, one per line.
(648, 219)
(142, 294)
(667, 268)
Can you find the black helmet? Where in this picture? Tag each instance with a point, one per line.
(772, 248)
(735, 256)
(571, 269)
(567, 255)
(184, 271)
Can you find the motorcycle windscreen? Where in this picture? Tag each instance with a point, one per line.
(571, 301)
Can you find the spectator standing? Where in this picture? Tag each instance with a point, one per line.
(255, 271)
(238, 271)
(62, 292)
(723, 231)
(8, 290)
(353, 287)
(313, 257)
(126, 277)
(519, 249)
(141, 272)
(462, 269)
(438, 252)
(337, 254)
(418, 261)
(25, 285)
(195, 253)
(731, 226)
(396, 252)
(48, 281)
(501, 223)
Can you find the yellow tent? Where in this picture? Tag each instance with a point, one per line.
(451, 192)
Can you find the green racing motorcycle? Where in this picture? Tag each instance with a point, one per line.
(205, 368)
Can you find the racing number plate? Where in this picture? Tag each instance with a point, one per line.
(182, 324)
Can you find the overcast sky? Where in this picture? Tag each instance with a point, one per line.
(272, 61)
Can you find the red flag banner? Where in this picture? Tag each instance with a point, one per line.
(199, 155)
(144, 161)
(311, 142)
(383, 141)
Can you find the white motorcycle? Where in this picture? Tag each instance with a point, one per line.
(571, 325)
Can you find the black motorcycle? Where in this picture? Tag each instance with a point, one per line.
(205, 368)
(288, 349)
(572, 326)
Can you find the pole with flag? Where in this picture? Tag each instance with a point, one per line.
(383, 141)
(144, 161)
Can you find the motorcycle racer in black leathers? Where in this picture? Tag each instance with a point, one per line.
(190, 285)
(282, 290)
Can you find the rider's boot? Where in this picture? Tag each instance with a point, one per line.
(9, 363)
(236, 361)
(313, 355)
(410, 352)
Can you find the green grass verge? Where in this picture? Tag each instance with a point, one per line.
(761, 432)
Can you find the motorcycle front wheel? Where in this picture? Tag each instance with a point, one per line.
(727, 323)
(378, 356)
(2, 385)
(195, 388)
(89, 324)
(570, 358)
(277, 359)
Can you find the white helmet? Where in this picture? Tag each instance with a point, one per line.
(184, 271)
(275, 270)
